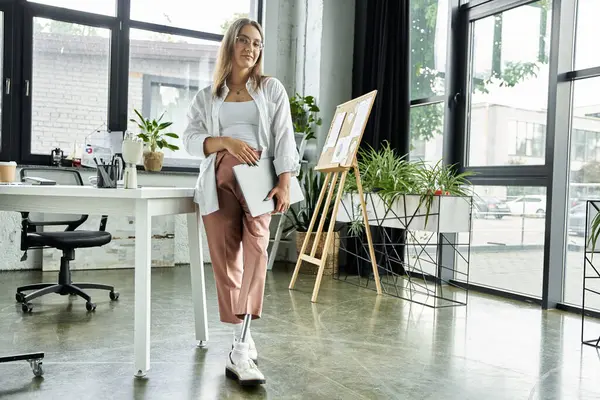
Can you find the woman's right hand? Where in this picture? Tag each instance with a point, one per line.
(240, 150)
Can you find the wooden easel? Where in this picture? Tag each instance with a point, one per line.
(337, 159)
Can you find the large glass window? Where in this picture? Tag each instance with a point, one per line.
(426, 132)
(509, 87)
(69, 87)
(584, 183)
(106, 7)
(165, 72)
(1, 68)
(588, 30)
(428, 40)
(195, 15)
(507, 243)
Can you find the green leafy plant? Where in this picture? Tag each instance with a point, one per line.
(391, 176)
(594, 233)
(305, 116)
(152, 132)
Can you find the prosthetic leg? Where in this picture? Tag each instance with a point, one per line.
(239, 365)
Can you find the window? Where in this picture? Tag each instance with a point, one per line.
(69, 85)
(428, 39)
(509, 82)
(527, 139)
(584, 184)
(507, 248)
(106, 7)
(587, 32)
(165, 73)
(73, 81)
(1, 68)
(428, 47)
(426, 128)
(195, 15)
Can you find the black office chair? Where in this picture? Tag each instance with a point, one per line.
(67, 241)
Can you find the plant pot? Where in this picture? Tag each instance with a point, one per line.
(332, 262)
(153, 160)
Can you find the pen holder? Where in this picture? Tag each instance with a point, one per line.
(106, 177)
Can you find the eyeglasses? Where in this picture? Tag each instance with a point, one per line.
(245, 41)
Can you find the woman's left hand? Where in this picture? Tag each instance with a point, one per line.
(281, 192)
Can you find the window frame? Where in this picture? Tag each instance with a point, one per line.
(18, 58)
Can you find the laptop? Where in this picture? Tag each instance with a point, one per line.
(257, 182)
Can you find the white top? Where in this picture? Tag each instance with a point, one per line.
(240, 121)
(275, 135)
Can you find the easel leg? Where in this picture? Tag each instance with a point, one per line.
(324, 212)
(363, 206)
(310, 228)
(329, 238)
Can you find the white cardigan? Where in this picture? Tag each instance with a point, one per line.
(275, 135)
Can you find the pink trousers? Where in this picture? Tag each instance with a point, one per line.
(238, 247)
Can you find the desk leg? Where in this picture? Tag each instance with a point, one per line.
(143, 232)
(197, 272)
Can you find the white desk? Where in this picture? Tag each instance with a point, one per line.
(143, 204)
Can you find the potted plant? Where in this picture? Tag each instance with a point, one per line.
(152, 134)
(312, 183)
(305, 118)
(399, 193)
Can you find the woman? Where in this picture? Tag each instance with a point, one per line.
(242, 117)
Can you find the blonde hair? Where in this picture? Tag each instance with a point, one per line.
(225, 56)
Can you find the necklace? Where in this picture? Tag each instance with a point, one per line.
(239, 90)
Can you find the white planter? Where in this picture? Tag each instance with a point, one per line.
(446, 213)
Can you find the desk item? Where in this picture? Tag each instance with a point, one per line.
(133, 148)
(257, 181)
(142, 204)
(119, 166)
(106, 177)
(36, 180)
(56, 157)
(8, 171)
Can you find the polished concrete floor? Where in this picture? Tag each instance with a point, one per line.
(353, 344)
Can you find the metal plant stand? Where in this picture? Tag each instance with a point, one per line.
(420, 266)
(591, 273)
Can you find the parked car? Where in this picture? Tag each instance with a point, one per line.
(528, 205)
(490, 206)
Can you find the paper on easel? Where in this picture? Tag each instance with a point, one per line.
(341, 149)
(361, 117)
(335, 130)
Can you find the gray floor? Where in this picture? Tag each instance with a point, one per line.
(351, 345)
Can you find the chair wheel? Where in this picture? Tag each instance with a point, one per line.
(26, 307)
(114, 295)
(20, 297)
(36, 367)
(90, 306)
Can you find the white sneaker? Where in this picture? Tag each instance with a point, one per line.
(252, 352)
(241, 368)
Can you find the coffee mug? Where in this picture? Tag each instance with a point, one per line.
(8, 171)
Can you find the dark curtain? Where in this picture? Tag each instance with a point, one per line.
(382, 62)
